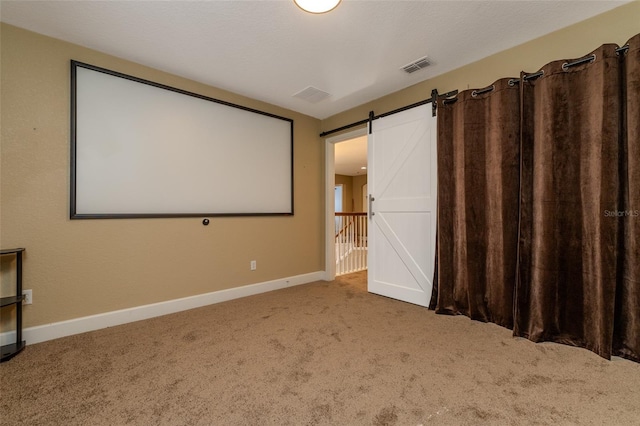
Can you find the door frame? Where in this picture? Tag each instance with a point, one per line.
(329, 189)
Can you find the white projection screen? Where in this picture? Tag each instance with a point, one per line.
(141, 149)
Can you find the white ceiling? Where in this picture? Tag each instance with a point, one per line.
(270, 49)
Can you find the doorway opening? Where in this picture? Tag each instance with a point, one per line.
(346, 206)
(402, 204)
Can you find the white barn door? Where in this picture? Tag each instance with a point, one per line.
(402, 185)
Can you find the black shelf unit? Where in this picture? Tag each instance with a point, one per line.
(12, 349)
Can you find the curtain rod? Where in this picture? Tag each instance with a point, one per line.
(567, 65)
(622, 49)
(434, 96)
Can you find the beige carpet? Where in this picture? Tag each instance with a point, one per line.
(322, 353)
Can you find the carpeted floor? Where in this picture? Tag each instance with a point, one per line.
(321, 353)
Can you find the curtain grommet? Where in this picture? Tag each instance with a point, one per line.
(475, 93)
(591, 58)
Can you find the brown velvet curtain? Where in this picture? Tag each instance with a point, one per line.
(539, 204)
(570, 169)
(478, 167)
(626, 341)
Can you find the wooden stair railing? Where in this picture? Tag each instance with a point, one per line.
(351, 242)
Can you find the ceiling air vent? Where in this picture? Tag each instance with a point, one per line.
(311, 94)
(416, 65)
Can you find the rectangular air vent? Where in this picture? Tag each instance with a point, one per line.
(416, 65)
(311, 94)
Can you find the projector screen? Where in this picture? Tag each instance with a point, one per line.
(142, 149)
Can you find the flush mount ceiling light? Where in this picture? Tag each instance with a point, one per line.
(317, 6)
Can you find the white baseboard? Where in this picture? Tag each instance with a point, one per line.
(42, 333)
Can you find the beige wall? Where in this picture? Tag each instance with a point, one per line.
(85, 267)
(347, 192)
(358, 181)
(615, 26)
(351, 192)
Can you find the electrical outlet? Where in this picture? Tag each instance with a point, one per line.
(28, 297)
(253, 265)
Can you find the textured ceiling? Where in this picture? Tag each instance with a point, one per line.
(271, 50)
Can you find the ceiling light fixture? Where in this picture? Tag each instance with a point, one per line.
(317, 6)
